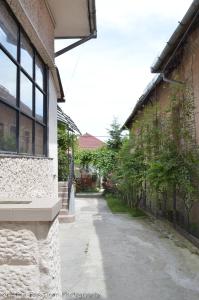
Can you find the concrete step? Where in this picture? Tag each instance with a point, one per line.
(63, 189)
(67, 219)
(63, 200)
(65, 205)
(62, 194)
(89, 195)
(62, 184)
(63, 212)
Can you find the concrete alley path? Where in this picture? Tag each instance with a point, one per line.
(115, 257)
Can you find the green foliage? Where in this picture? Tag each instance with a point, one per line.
(161, 157)
(131, 172)
(62, 165)
(65, 142)
(103, 159)
(115, 141)
(84, 158)
(8, 142)
(116, 205)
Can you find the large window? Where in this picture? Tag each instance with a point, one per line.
(23, 91)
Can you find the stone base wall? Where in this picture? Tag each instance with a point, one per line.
(30, 260)
(27, 178)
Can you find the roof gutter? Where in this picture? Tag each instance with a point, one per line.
(58, 84)
(92, 17)
(176, 39)
(142, 101)
(61, 99)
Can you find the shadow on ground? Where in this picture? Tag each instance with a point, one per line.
(115, 257)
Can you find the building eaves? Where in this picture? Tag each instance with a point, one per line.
(143, 100)
(73, 19)
(176, 39)
(61, 99)
(62, 117)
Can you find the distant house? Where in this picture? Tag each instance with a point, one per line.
(87, 176)
(89, 142)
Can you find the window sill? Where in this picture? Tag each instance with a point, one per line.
(14, 155)
(36, 210)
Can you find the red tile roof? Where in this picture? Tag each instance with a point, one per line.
(89, 142)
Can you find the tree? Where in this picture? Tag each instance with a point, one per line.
(160, 161)
(115, 141)
(104, 161)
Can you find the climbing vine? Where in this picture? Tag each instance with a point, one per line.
(66, 142)
(159, 163)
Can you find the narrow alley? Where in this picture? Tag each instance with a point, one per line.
(115, 257)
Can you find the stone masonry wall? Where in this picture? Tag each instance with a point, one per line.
(29, 251)
(25, 178)
(30, 260)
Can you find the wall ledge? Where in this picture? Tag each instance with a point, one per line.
(9, 155)
(36, 210)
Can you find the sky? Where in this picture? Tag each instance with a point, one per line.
(104, 78)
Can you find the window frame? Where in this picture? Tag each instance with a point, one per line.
(17, 107)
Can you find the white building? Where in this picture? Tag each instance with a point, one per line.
(29, 90)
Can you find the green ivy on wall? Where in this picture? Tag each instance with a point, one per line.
(159, 163)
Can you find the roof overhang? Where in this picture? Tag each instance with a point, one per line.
(73, 18)
(177, 39)
(143, 100)
(63, 118)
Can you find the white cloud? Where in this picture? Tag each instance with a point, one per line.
(105, 77)
(119, 14)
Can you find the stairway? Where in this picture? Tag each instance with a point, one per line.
(64, 216)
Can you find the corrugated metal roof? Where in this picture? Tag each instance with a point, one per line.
(62, 117)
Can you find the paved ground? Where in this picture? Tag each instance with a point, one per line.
(115, 257)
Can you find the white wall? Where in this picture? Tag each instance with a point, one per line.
(53, 153)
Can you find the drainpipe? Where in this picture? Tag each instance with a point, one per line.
(172, 81)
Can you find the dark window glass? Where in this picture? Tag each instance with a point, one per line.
(26, 55)
(25, 138)
(7, 139)
(8, 79)
(1, 129)
(39, 105)
(13, 130)
(39, 140)
(26, 94)
(39, 70)
(23, 85)
(8, 31)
